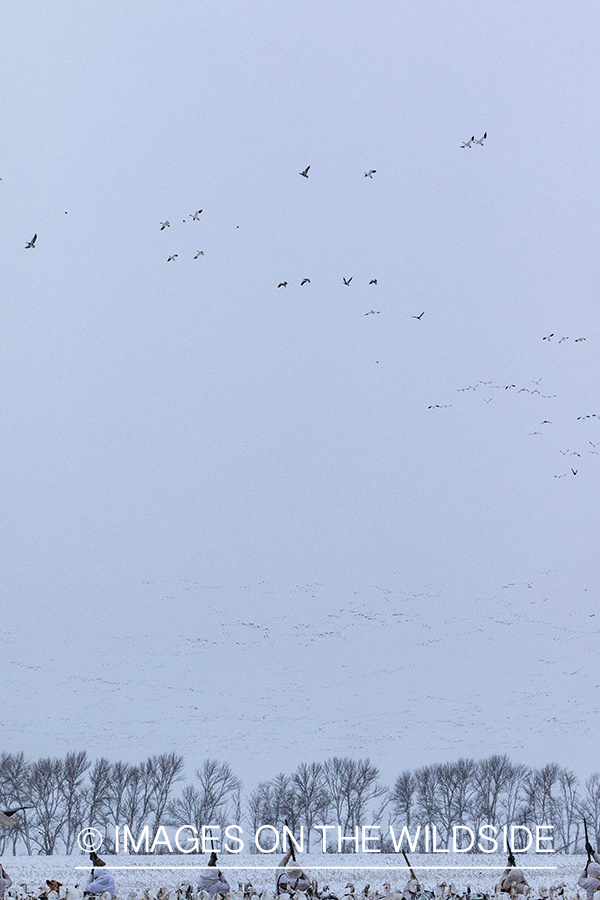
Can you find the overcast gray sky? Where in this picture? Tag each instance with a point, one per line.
(202, 470)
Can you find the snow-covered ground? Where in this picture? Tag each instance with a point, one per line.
(134, 873)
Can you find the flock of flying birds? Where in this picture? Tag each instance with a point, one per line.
(283, 284)
(487, 385)
(195, 217)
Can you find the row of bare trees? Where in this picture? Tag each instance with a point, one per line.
(70, 793)
(500, 792)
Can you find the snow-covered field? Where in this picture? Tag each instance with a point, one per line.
(135, 873)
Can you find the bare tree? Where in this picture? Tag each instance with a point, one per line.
(590, 808)
(45, 782)
(136, 804)
(567, 812)
(492, 779)
(217, 797)
(403, 797)
(14, 791)
(311, 795)
(352, 785)
(164, 771)
(72, 790)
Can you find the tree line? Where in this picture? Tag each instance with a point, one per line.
(67, 794)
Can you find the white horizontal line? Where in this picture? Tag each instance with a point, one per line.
(340, 868)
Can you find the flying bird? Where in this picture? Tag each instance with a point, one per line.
(548, 337)
(467, 143)
(8, 817)
(373, 281)
(373, 312)
(574, 471)
(31, 243)
(305, 173)
(481, 140)
(175, 255)
(419, 317)
(305, 281)
(164, 225)
(199, 253)
(349, 280)
(195, 216)
(282, 284)
(370, 173)
(579, 339)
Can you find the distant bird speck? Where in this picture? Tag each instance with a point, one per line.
(373, 281)
(347, 281)
(373, 312)
(171, 258)
(305, 281)
(419, 317)
(305, 172)
(199, 253)
(195, 216)
(370, 173)
(481, 140)
(467, 143)
(282, 284)
(31, 244)
(164, 225)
